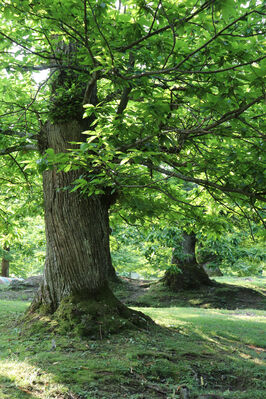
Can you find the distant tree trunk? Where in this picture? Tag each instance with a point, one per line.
(5, 262)
(212, 271)
(190, 274)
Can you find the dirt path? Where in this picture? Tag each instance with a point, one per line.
(134, 289)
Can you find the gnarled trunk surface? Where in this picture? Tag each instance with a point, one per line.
(191, 274)
(75, 289)
(111, 273)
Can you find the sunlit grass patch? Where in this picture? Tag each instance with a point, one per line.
(246, 326)
(207, 350)
(12, 307)
(255, 282)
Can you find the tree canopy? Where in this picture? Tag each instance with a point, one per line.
(179, 92)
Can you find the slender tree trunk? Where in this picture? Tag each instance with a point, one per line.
(189, 273)
(5, 262)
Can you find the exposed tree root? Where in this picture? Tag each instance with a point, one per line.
(95, 316)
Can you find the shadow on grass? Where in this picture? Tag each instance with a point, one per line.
(220, 296)
(9, 390)
(205, 350)
(153, 364)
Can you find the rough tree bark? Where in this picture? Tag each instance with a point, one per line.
(5, 262)
(191, 274)
(75, 287)
(111, 273)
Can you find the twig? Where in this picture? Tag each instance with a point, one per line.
(101, 33)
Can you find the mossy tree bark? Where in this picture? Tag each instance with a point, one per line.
(189, 273)
(5, 262)
(78, 263)
(75, 288)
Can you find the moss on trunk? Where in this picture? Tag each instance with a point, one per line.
(186, 272)
(91, 315)
(191, 277)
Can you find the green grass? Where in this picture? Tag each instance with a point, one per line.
(231, 293)
(254, 282)
(207, 350)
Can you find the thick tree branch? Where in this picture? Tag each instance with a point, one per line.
(124, 100)
(10, 132)
(125, 95)
(198, 131)
(17, 148)
(235, 113)
(207, 183)
(90, 96)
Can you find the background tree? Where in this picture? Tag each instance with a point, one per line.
(185, 272)
(169, 92)
(20, 200)
(144, 244)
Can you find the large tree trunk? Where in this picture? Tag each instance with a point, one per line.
(188, 273)
(111, 273)
(75, 288)
(5, 262)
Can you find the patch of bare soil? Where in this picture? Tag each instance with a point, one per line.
(132, 289)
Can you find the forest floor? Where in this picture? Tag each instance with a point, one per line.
(228, 293)
(209, 344)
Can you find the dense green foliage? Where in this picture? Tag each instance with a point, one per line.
(28, 252)
(173, 106)
(20, 210)
(148, 250)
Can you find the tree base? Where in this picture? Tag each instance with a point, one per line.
(192, 277)
(95, 316)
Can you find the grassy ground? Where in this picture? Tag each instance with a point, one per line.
(199, 349)
(229, 293)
